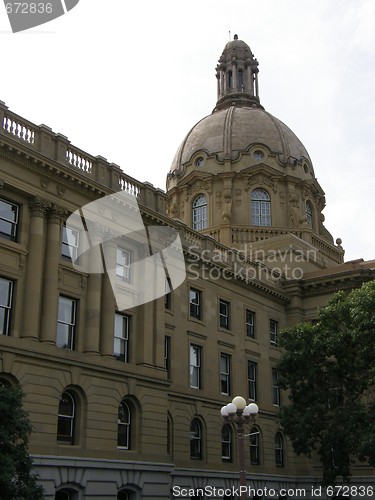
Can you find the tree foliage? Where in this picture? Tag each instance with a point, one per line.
(16, 479)
(328, 369)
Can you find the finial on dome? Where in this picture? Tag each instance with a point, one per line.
(235, 37)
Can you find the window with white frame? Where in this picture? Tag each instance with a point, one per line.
(66, 418)
(260, 208)
(225, 373)
(279, 450)
(195, 366)
(252, 380)
(9, 213)
(226, 443)
(254, 438)
(273, 331)
(195, 303)
(275, 387)
(121, 337)
(196, 439)
(69, 243)
(123, 426)
(6, 300)
(200, 213)
(66, 323)
(224, 314)
(250, 323)
(123, 264)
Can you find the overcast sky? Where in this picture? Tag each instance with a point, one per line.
(128, 79)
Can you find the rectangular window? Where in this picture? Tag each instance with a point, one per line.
(273, 331)
(121, 337)
(195, 303)
(224, 314)
(123, 264)
(69, 243)
(9, 213)
(225, 374)
(167, 354)
(250, 324)
(195, 366)
(168, 294)
(6, 295)
(252, 380)
(275, 387)
(66, 323)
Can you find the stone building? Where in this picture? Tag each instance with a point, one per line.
(126, 403)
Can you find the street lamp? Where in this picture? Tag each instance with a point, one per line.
(238, 412)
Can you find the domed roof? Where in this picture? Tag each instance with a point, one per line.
(238, 121)
(229, 132)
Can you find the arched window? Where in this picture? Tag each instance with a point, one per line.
(309, 214)
(226, 443)
(66, 494)
(196, 439)
(254, 438)
(240, 82)
(279, 449)
(260, 208)
(123, 426)
(200, 213)
(123, 495)
(66, 418)
(229, 79)
(169, 435)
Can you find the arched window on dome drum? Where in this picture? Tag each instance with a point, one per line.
(309, 214)
(200, 213)
(260, 208)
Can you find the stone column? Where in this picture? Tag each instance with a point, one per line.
(51, 272)
(34, 269)
(93, 299)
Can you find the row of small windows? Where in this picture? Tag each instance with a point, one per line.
(227, 434)
(67, 423)
(224, 315)
(260, 210)
(196, 371)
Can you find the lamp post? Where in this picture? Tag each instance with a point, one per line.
(238, 412)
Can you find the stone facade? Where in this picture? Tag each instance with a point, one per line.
(107, 426)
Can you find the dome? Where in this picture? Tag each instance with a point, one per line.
(227, 133)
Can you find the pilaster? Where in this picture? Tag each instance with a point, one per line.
(34, 269)
(56, 215)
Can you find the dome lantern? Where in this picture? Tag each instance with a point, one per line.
(237, 76)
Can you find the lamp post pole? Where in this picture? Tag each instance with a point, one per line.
(239, 413)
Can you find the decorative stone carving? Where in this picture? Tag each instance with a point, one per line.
(60, 190)
(38, 207)
(44, 182)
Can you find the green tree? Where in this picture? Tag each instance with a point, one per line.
(16, 479)
(328, 369)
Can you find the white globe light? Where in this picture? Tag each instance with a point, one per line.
(231, 408)
(253, 408)
(224, 412)
(240, 402)
(246, 412)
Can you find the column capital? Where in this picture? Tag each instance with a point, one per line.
(38, 207)
(56, 214)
